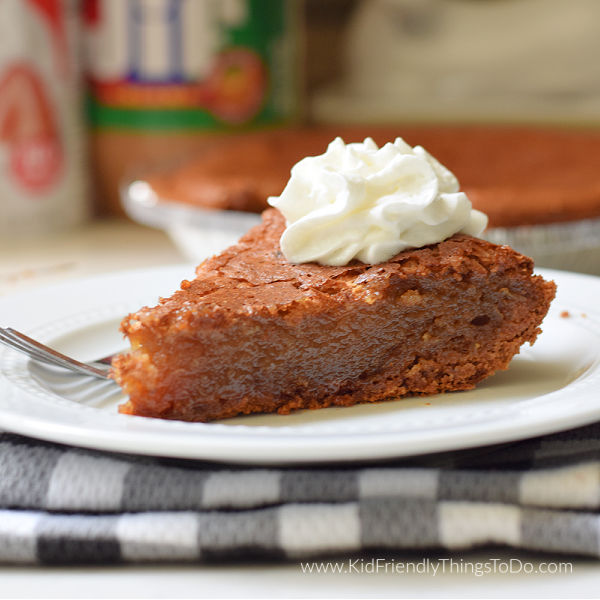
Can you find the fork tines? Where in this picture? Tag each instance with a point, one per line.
(34, 349)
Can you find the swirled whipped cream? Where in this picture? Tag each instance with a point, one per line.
(365, 202)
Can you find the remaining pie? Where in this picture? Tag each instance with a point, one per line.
(516, 175)
(255, 333)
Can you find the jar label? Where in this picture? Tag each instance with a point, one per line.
(42, 146)
(184, 64)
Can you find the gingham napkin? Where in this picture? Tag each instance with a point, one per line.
(67, 505)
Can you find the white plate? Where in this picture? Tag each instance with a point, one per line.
(549, 387)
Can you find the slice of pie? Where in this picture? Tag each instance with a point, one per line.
(255, 333)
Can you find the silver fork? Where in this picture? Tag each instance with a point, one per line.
(41, 353)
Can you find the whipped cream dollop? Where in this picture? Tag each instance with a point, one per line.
(365, 202)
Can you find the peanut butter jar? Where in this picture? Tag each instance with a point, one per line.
(166, 78)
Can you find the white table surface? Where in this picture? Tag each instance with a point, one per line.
(105, 246)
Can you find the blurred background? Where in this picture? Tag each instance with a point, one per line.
(97, 95)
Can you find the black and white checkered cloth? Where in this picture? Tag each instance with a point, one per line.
(62, 505)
